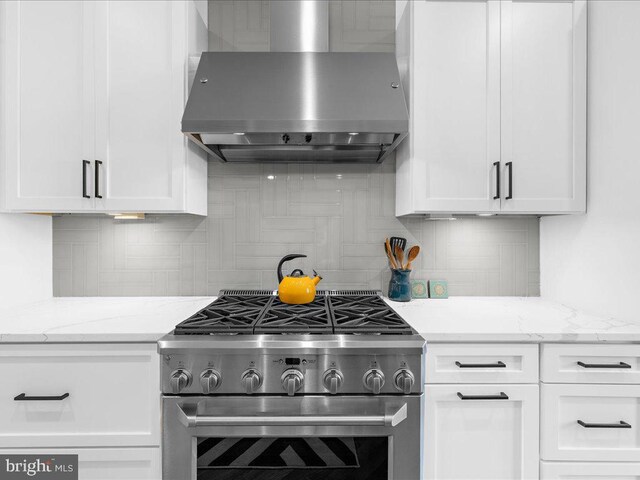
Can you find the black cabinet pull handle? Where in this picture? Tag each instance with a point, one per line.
(497, 165)
(604, 365)
(498, 364)
(502, 396)
(97, 179)
(84, 178)
(604, 425)
(510, 170)
(24, 398)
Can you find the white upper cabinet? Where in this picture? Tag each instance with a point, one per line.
(94, 105)
(447, 161)
(544, 75)
(497, 99)
(47, 100)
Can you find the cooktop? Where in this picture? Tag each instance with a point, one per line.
(248, 312)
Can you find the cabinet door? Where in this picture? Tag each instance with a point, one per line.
(456, 106)
(589, 471)
(590, 423)
(47, 104)
(140, 79)
(60, 395)
(105, 463)
(493, 438)
(543, 70)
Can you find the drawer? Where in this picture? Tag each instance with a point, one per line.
(79, 395)
(590, 422)
(481, 363)
(481, 432)
(589, 471)
(103, 463)
(590, 363)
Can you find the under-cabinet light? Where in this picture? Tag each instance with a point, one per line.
(127, 216)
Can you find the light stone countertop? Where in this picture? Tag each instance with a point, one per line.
(511, 319)
(457, 319)
(97, 319)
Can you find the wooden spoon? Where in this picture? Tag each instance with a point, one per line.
(413, 253)
(399, 255)
(387, 248)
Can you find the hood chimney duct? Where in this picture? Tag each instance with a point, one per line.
(299, 26)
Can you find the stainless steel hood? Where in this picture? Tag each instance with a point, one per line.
(297, 103)
(297, 106)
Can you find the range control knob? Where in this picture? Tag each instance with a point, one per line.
(179, 380)
(403, 380)
(373, 380)
(210, 380)
(251, 381)
(333, 380)
(292, 381)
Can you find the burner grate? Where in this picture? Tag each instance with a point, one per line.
(245, 312)
(312, 317)
(358, 315)
(228, 314)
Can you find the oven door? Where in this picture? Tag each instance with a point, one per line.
(292, 438)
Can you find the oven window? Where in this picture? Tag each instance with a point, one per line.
(293, 458)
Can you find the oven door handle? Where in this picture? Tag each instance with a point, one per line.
(189, 418)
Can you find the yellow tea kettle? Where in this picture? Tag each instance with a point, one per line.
(297, 288)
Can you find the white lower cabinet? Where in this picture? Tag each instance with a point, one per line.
(480, 431)
(484, 363)
(562, 363)
(79, 395)
(589, 471)
(99, 401)
(106, 463)
(590, 422)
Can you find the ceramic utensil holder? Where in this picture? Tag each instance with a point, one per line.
(400, 286)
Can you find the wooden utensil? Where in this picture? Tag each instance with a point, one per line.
(413, 253)
(387, 249)
(399, 255)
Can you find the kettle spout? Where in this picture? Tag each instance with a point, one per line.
(316, 279)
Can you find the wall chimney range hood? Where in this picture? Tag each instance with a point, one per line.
(296, 104)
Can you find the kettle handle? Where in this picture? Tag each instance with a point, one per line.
(286, 258)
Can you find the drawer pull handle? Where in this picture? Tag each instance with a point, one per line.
(481, 365)
(604, 365)
(502, 396)
(604, 425)
(23, 397)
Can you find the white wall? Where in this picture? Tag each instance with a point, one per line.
(592, 262)
(25, 258)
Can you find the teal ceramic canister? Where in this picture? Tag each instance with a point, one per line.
(400, 286)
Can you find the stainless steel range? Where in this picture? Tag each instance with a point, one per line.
(257, 389)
